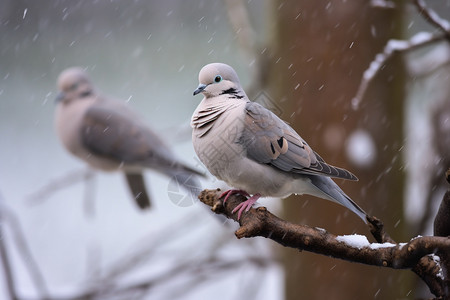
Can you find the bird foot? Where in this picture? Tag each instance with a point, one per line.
(246, 205)
(228, 193)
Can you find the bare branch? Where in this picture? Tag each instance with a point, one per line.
(195, 272)
(60, 183)
(432, 17)
(4, 256)
(410, 255)
(256, 53)
(24, 251)
(240, 21)
(421, 39)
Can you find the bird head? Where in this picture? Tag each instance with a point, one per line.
(218, 79)
(73, 83)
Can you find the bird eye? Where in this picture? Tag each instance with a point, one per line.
(73, 87)
(218, 78)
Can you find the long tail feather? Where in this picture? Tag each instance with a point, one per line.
(334, 193)
(137, 187)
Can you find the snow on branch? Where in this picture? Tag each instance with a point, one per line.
(414, 255)
(432, 17)
(382, 4)
(393, 46)
(418, 40)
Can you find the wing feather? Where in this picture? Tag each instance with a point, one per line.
(269, 140)
(119, 135)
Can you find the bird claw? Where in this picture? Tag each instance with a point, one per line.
(246, 205)
(243, 206)
(232, 192)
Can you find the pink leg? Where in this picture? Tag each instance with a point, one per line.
(246, 205)
(232, 192)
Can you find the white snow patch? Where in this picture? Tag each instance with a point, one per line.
(421, 37)
(374, 66)
(382, 4)
(361, 149)
(437, 259)
(384, 245)
(435, 17)
(395, 45)
(320, 229)
(354, 240)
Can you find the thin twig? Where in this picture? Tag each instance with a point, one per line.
(255, 53)
(59, 184)
(432, 17)
(198, 272)
(25, 253)
(240, 21)
(421, 39)
(10, 287)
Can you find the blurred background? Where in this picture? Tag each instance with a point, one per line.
(73, 234)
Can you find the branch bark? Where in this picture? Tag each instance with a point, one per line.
(386, 253)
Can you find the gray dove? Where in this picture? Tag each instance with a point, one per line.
(110, 137)
(254, 151)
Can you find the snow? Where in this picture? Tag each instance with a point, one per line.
(437, 260)
(396, 45)
(433, 15)
(382, 4)
(73, 249)
(360, 241)
(374, 66)
(320, 229)
(421, 37)
(354, 240)
(380, 59)
(384, 245)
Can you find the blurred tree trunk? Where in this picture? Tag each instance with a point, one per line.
(320, 50)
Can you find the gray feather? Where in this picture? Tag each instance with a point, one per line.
(111, 133)
(335, 194)
(262, 134)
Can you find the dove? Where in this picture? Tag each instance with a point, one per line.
(253, 150)
(109, 136)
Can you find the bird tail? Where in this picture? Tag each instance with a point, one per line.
(183, 188)
(331, 191)
(137, 187)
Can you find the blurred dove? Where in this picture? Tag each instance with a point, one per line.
(109, 136)
(254, 151)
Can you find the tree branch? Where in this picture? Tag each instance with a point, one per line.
(442, 228)
(393, 46)
(24, 251)
(432, 17)
(356, 248)
(4, 257)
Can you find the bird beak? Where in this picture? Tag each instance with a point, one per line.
(200, 88)
(59, 97)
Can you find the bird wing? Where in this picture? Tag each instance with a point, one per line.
(116, 133)
(269, 140)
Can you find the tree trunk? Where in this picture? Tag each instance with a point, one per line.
(321, 49)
